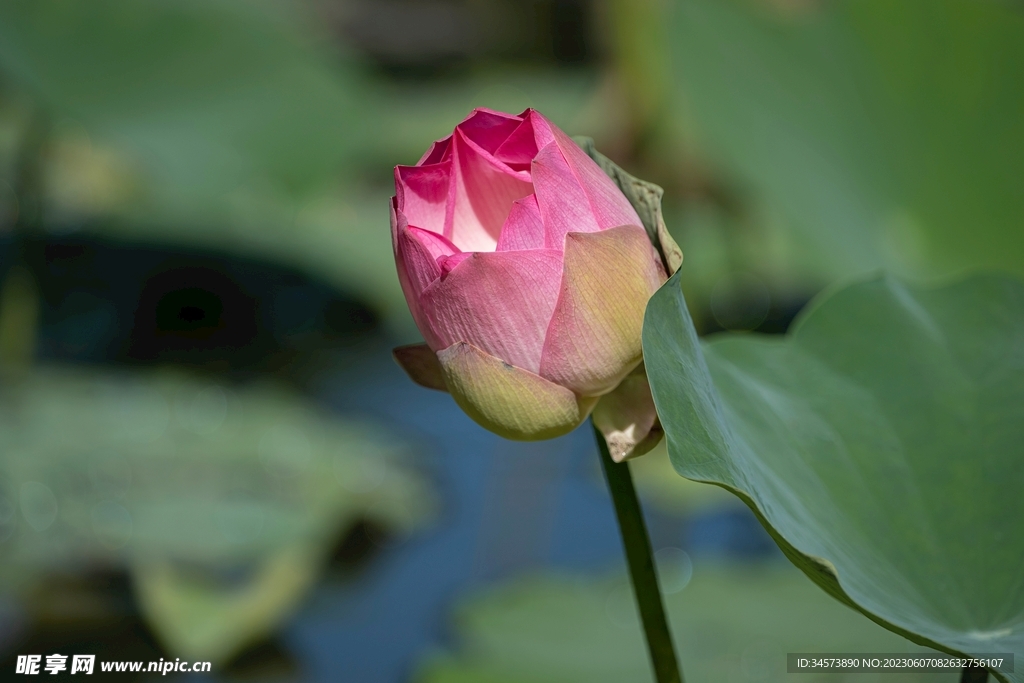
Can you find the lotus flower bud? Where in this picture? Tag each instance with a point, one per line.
(526, 269)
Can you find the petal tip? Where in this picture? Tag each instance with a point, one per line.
(421, 364)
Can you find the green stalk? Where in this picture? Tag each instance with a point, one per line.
(642, 572)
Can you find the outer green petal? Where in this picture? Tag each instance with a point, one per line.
(421, 364)
(646, 200)
(628, 419)
(509, 401)
(593, 340)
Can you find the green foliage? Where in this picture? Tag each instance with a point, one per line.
(731, 623)
(876, 132)
(879, 443)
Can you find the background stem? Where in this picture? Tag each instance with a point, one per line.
(19, 283)
(973, 674)
(642, 572)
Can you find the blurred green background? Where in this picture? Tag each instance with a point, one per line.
(205, 450)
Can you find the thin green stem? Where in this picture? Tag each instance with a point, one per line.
(642, 572)
(973, 674)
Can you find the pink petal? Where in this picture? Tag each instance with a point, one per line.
(488, 128)
(413, 276)
(423, 194)
(435, 245)
(448, 263)
(484, 190)
(594, 338)
(532, 135)
(398, 222)
(564, 206)
(416, 254)
(609, 206)
(439, 151)
(523, 228)
(501, 302)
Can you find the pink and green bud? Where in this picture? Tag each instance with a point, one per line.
(526, 269)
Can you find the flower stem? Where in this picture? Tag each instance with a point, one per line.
(641, 566)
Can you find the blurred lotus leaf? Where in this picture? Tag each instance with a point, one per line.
(202, 619)
(206, 96)
(876, 132)
(221, 502)
(731, 623)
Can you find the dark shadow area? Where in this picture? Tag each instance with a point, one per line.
(108, 301)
